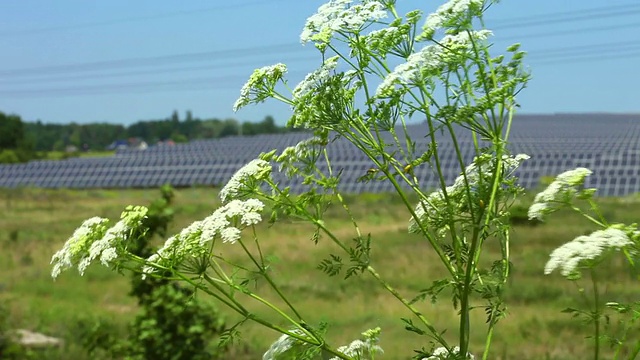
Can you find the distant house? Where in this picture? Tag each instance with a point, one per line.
(118, 145)
(138, 143)
(131, 143)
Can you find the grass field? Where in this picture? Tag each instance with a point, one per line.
(35, 223)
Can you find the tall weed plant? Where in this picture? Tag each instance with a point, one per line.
(379, 71)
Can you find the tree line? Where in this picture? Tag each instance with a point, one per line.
(21, 140)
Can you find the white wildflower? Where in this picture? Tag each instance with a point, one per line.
(442, 353)
(362, 349)
(429, 60)
(92, 240)
(585, 248)
(340, 15)
(446, 13)
(291, 156)
(230, 235)
(260, 84)
(109, 246)
(255, 170)
(561, 190)
(77, 246)
(315, 78)
(434, 210)
(226, 222)
(282, 345)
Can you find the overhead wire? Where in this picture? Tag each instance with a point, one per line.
(543, 56)
(136, 19)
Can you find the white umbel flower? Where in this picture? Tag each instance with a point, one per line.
(433, 211)
(77, 246)
(255, 170)
(340, 15)
(260, 84)
(569, 256)
(315, 78)
(227, 223)
(428, 61)
(562, 189)
(282, 345)
(447, 12)
(442, 353)
(93, 240)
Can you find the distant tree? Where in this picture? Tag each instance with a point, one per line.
(268, 125)
(11, 131)
(229, 128)
(179, 138)
(15, 146)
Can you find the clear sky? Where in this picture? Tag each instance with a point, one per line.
(120, 61)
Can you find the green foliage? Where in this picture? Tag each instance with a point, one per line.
(174, 325)
(9, 349)
(9, 157)
(15, 145)
(11, 131)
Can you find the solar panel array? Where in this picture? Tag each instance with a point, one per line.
(605, 143)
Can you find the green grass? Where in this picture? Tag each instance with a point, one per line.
(60, 155)
(35, 223)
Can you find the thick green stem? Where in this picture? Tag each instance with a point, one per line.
(596, 315)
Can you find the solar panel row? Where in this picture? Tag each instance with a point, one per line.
(607, 144)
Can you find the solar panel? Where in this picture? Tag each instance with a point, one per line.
(604, 143)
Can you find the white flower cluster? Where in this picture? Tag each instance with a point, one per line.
(562, 189)
(255, 170)
(568, 257)
(226, 222)
(451, 10)
(362, 349)
(78, 244)
(292, 155)
(442, 353)
(315, 78)
(260, 83)
(92, 240)
(428, 60)
(340, 15)
(433, 210)
(282, 345)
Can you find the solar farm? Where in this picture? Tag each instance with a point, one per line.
(605, 143)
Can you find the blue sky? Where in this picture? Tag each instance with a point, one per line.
(121, 61)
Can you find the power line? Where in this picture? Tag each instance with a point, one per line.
(604, 11)
(153, 60)
(226, 65)
(591, 58)
(206, 83)
(288, 47)
(570, 32)
(136, 19)
(568, 19)
(232, 82)
(585, 49)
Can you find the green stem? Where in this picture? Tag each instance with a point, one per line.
(596, 313)
(406, 303)
(487, 342)
(269, 280)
